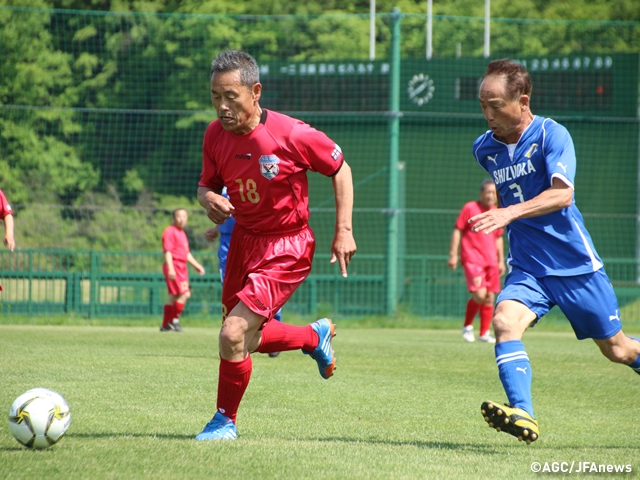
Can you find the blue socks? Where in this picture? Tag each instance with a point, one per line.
(515, 374)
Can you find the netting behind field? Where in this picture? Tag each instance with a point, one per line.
(102, 118)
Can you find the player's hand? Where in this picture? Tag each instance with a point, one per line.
(10, 242)
(491, 220)
(453, 262)
(343, 249)
(218, 207)
(212, 233)
(171, 274)
(501, 268)
(200, 269)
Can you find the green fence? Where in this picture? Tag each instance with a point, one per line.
(102, 118)
(110, 284)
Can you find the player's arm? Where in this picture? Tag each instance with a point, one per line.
(171, 270)
(500, 250)
(453, 248)
(199, 268)
(344, 246)
(218, 208)
(9, 241)
(557, 197)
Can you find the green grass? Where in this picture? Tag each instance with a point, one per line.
(404, 403)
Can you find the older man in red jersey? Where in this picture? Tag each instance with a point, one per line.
(262, 157)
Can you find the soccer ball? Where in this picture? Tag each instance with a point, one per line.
(39, 418)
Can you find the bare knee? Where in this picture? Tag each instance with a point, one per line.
(480, 296)
(232, 332)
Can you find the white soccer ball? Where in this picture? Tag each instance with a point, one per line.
(39, 418)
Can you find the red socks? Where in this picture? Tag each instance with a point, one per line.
(168, 316)
(472, 310)
(179, 308)
(232, 383)
(281, 337)
(486, 314)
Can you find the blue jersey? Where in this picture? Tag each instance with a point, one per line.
(553, 244)
(226, 229)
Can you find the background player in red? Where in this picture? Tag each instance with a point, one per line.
(262, 158)
(6, 215)
(482, 260)
(175, 246)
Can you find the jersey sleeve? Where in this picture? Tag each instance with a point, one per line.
(463, 218)
(5, 208)
(168, 241)
(317, 152)
(559, 153)
(209, 178)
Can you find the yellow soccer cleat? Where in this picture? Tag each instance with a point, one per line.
(514, 421)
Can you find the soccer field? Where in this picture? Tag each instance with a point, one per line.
(404, 403)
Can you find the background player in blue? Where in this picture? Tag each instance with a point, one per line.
(224, 231)
(552, 260)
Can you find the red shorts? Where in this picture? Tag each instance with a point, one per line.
(180, 284)
(479, 276)
(264, 271)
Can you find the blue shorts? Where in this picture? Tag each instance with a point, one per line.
(588, 301)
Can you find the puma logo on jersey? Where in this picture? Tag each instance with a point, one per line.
(523, 370)
(493, 159)
(532, 149)
(563, 167)
(614, 317)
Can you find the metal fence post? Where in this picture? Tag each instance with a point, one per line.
(394, 146)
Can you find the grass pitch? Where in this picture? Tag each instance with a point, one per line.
(404, 403)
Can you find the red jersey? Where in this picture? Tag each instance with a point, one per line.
(265, 170)
(477, 247)
(175, 241)
(5, 208)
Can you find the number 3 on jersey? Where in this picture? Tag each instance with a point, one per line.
(517, 191)
(247, 190)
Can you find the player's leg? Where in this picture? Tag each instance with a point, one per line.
(235, 371)
(621, 349)
(278, 318)
(178, 307)
(173, 290)
(520, 304)
(590, 304)
(492, 283)
(473, 275)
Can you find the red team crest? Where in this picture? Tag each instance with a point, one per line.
(269, 166)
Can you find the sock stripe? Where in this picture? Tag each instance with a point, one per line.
(506, 356)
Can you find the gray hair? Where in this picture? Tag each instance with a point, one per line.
(232, 60)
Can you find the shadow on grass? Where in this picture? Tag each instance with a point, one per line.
(160, 436)
(497, 448)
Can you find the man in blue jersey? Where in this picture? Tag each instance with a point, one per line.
(552, 260)
(224, 231)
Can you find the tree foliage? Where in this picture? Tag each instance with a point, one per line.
(74, 84)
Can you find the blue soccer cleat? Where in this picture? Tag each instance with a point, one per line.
(323, 354)
(218, 428)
